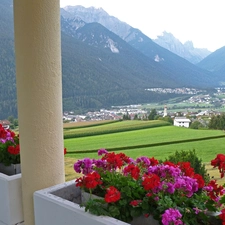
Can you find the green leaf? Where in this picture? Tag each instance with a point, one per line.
(114, 211)
(222, 200)
(135, 212)
(127, 191)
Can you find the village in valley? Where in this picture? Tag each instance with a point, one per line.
(198, 105)
(194, 105)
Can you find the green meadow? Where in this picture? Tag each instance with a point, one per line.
(156, 141)
(100, 128)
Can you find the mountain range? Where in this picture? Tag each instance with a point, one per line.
(104, 64)
(186, 50)
(127, 33)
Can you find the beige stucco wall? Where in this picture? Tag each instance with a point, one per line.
(39, 94)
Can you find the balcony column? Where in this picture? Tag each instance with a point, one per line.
(39, 96)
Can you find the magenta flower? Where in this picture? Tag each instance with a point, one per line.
(102, 151)
(143, 160)
(85, 166)
(100, 163)
(171, 216)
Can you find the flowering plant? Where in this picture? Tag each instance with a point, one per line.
(9, 147)
(171, 193)
(219, 162)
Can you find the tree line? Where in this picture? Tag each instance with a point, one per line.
(217, 122)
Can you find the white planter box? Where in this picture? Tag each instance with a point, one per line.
(59, 205)
(11, 211)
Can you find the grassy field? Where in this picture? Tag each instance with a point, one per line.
(115, 127)
(84, 124)
(137, 137)
(206, 150)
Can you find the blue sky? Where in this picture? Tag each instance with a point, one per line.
(201, 21)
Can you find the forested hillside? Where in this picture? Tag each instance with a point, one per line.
(91, 82)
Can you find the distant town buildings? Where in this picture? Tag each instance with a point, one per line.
(199, 106)
(184, 90)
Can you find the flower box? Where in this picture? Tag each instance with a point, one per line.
(10, 170)
(60, 205)
(141, 220)
(10, 200)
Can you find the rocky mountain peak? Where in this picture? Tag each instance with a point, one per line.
(186, 50)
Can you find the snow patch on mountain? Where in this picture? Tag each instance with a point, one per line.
(158, 59)
(112, 46)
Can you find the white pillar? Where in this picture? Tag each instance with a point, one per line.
(39, 95)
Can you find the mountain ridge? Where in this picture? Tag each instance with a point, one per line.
(144, 44)
(124, 30)
(186, 50)
(100, 69)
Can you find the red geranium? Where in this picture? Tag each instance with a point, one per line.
(222, 216)
(150, 181)
(186, 168)
(112, 195)
(14, 150)
(169, 164)
(133, 170)
(9, 147)
(135, 203)
(217, 190)
(3, 132)
(90, 181)
(219, 162)
(115, 161)
(200, 180)
(153, 161)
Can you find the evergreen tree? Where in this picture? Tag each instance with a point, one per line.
(217, 122)
(152, 114)
(196, 125)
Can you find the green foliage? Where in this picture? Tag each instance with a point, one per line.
(217, 122)
(97, 207)
(152, 114)
(190, 156)
(126, 116)
(6, 157)
(196, 125)
(13, 121)
(167, 119)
